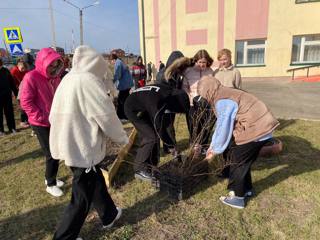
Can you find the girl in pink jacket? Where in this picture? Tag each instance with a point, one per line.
(39, 86)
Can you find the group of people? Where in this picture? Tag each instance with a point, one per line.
(9, 86)
(243, 123)
(73, 117)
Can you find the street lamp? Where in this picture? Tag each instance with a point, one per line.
(81, 14)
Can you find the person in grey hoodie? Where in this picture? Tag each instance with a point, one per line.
(82, 116)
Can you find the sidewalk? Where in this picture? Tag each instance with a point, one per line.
(287, 99)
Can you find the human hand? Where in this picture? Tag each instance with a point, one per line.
(210, 155)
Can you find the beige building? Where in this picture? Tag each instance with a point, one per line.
(266, 37)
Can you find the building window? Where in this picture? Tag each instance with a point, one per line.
(250, 52)
(306, 1)
(306, 49)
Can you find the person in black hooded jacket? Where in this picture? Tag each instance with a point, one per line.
(176, 82)
(7, 87)
(145, 108)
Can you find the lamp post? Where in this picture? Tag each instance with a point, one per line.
(54, 43)
(81, 15)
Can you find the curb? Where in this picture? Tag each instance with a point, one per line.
(109, 175)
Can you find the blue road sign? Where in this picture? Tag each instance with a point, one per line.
(16, 49)
(12, 35)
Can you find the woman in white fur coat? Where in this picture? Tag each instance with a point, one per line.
(82, 116)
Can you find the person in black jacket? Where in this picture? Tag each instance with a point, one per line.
(145, 108)
(7, 86)
(176, 82)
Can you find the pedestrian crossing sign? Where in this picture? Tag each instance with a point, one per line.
(12, 35)
(16, 49)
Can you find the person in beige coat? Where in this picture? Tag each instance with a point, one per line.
(227, 74)
(82, 116)
(244, 124)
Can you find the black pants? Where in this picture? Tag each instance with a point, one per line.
(200, 124)
(6, 107)
(240, 160)
(23, 117)
(122, 96)
(87, 188)
(148, 152)
(168, 134)
(52, 165)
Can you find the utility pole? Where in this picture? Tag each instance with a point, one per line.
(81, 16)
(143, 33)
(7, 50)
(81, 27)
(73, 43)
(54, 43)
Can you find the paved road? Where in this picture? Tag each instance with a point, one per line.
(286, 99)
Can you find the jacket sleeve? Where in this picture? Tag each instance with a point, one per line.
(101, 110)
(28, 102)
(12, 84)
(237, 81)
(226, 113)
(117, 71)
(144, 75)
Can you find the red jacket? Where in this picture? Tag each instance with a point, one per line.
(38, 89)
(17, 75)
(139, 75)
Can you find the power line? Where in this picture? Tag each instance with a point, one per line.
(66, 15)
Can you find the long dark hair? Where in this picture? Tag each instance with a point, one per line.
(181, 64)
(203, 54)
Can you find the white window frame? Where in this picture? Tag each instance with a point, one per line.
(305, 43)
(246, 47)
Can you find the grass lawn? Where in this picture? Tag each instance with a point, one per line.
(287, 204)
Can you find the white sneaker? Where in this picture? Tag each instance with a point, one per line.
(13, 131)
(54, 191)
(115, 219)
(2, 134)
(79, 238)
(59, 183)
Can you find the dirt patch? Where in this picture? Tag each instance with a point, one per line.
(113, 150)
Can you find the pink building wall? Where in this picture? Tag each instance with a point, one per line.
(252, 19)
(197, 37)
(195, 6)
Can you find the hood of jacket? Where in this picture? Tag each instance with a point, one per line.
(86, 59)
(174, 56)
(208, 87)
(45, 57)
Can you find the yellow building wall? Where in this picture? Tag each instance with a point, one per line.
(286, 19)
(149, 31)
(229, 26)
(165, 29)
(193, 21)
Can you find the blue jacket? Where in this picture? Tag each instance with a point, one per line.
(122, 77)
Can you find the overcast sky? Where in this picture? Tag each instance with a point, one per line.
(111, 24)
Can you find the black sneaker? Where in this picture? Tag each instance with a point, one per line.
(144, 176)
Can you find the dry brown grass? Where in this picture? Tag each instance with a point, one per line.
(287, 204)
